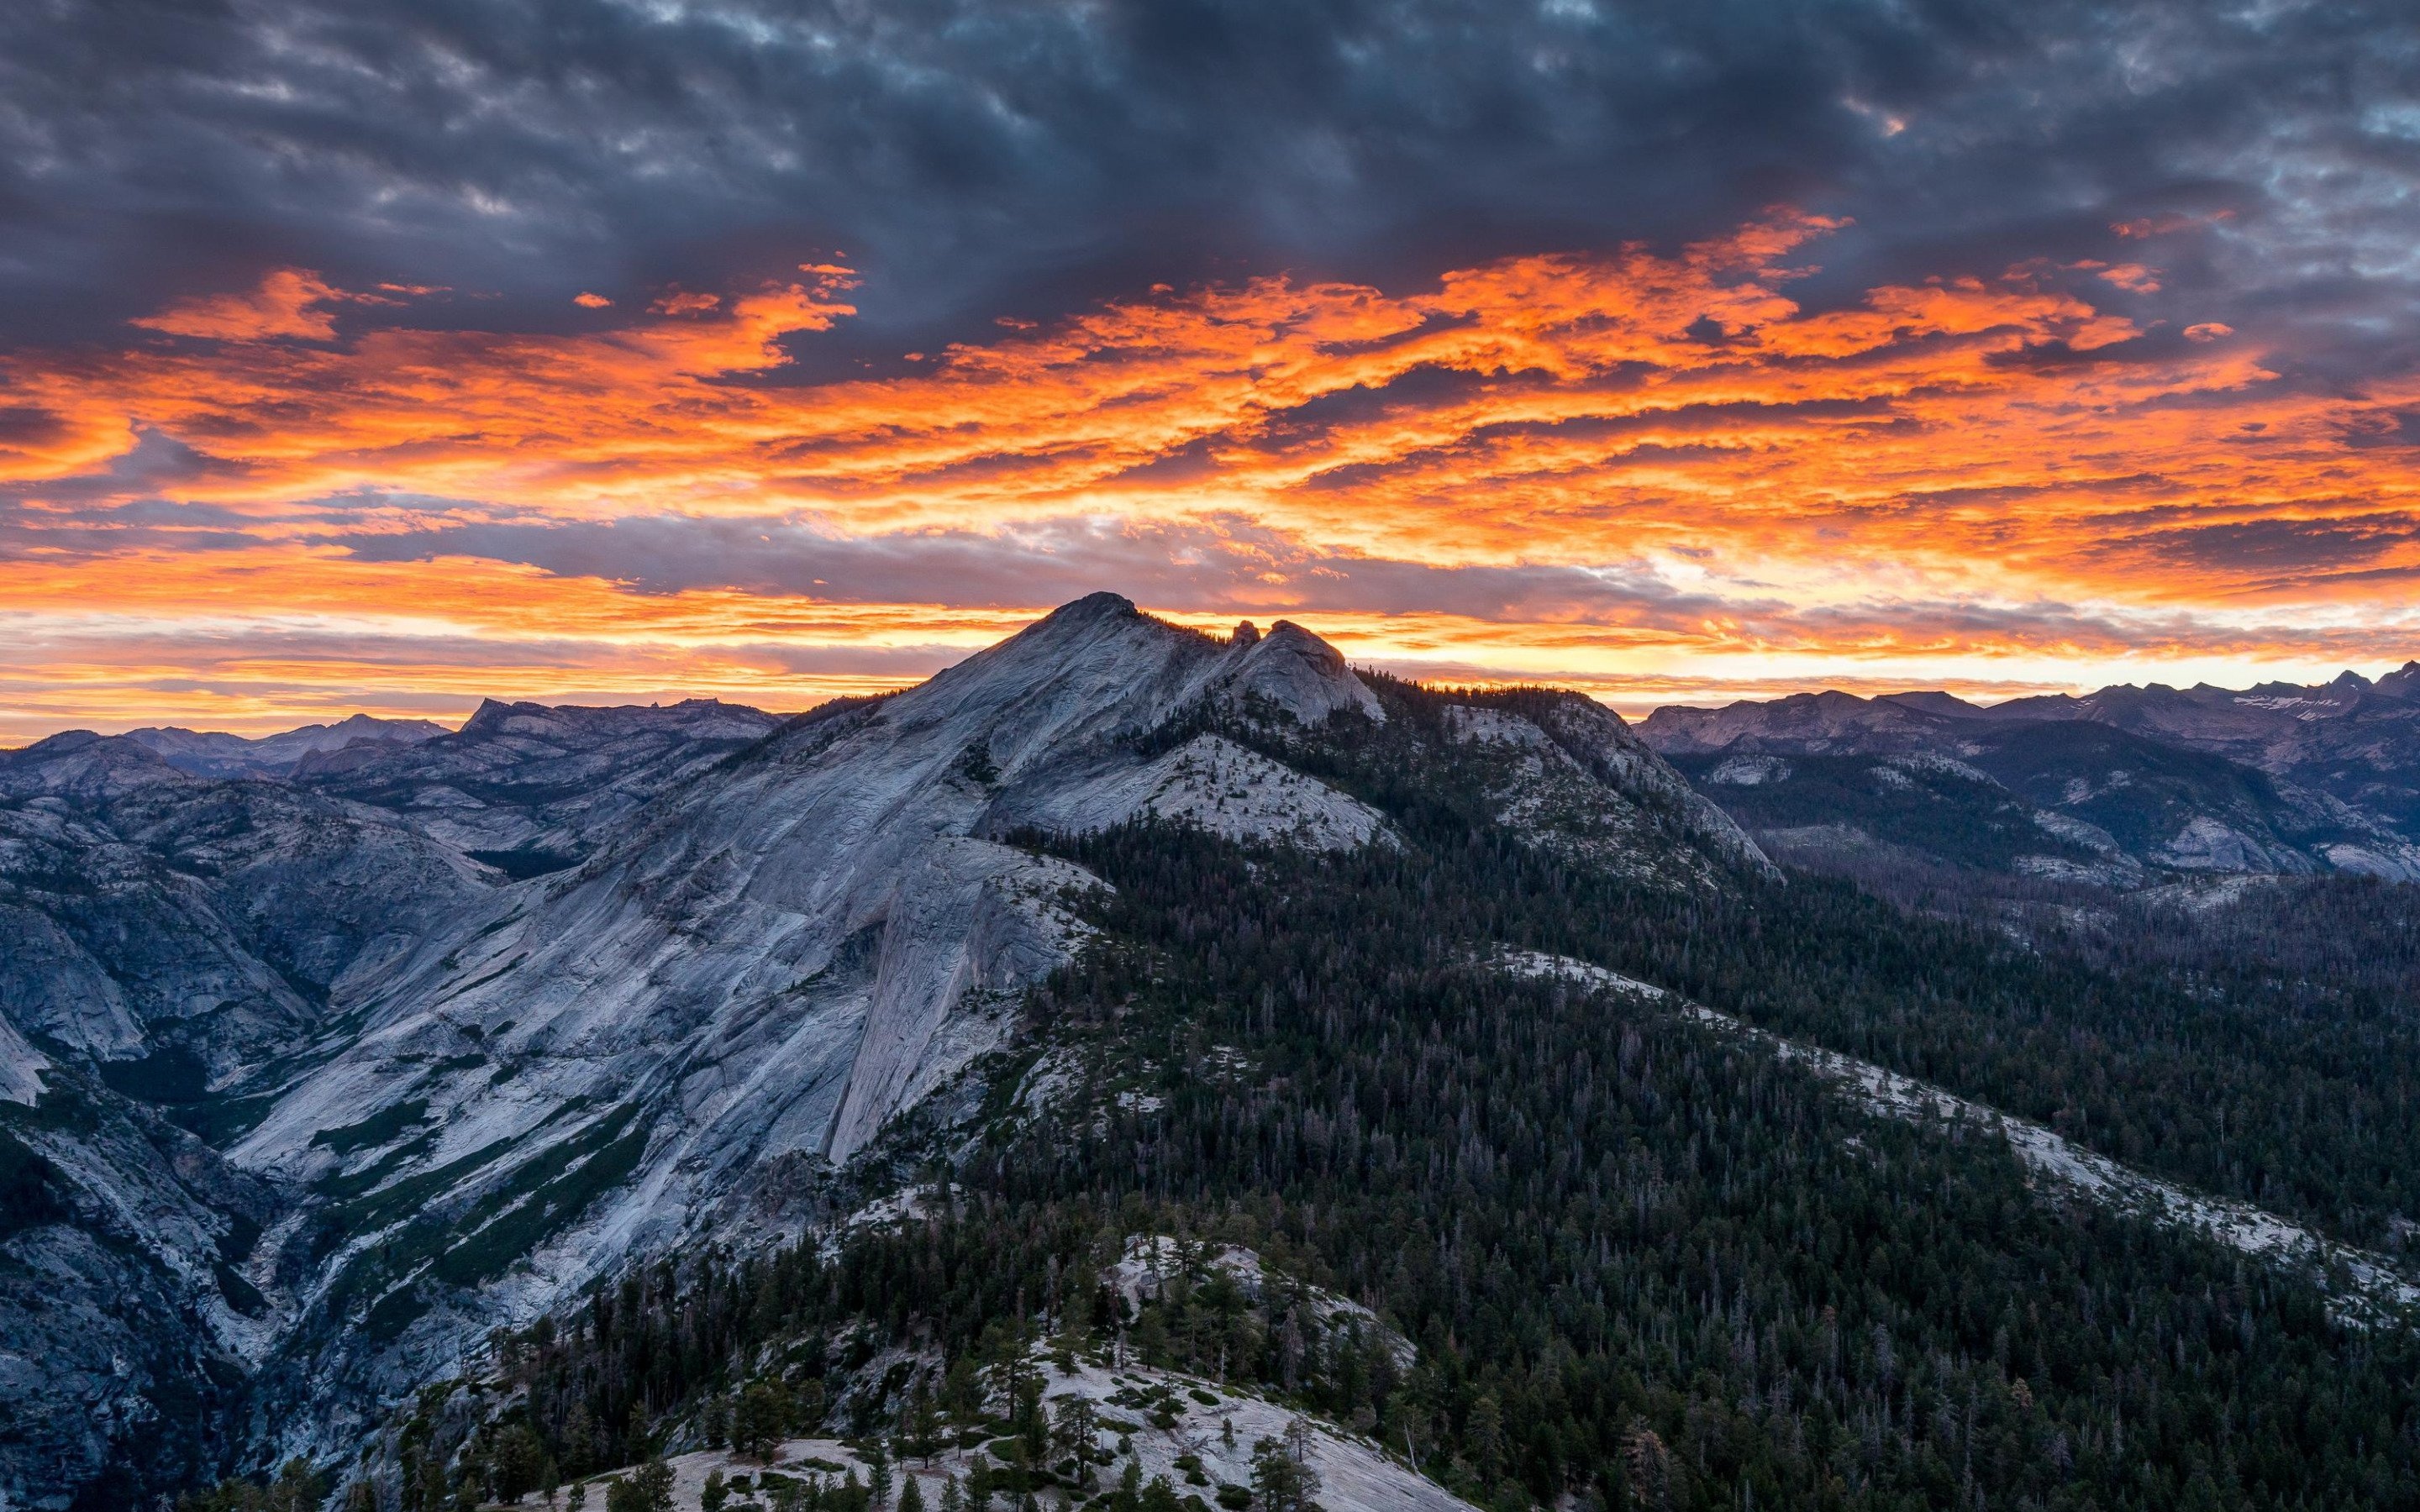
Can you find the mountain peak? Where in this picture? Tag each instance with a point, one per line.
(1101, 606)
(1933, 701)
(85, 766)
(489, 714)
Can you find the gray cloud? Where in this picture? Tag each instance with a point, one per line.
(980, 157)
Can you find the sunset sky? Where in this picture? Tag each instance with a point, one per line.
(383, 359)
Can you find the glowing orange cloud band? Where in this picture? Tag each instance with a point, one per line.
(1962, 479)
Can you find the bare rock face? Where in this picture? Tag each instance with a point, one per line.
(1293, 672)
(155, 911)
(1572, 778)
(1224, 788)
(165, 942)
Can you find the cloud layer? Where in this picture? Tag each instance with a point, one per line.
(365, 356)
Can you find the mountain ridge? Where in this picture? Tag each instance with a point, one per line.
(2324, 777)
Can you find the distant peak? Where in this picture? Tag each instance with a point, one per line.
(1930, 701)
(1247, 633)
(68, 742)
(491, 714)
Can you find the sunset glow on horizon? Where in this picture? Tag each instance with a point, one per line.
(1758, 458)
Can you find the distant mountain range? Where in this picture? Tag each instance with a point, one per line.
(215, 753)
(2118, 787)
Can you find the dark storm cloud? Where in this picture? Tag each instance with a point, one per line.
(979, 159)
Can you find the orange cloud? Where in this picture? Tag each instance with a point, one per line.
(1976, 480)
(287, 304)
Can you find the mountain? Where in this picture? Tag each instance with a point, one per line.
(471, 1020)
(555, 1089)
(154, 914)
(214, 753)
(169, 944)
(529, 788)
(2123, 787)
(2353, 740)
(821, 933)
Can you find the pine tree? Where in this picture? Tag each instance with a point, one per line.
(878, 1475)
(924, 1437)
(1160, 1496)
(1283, 1479)
(762, 1420)
(1484, 1436)
(654, 1484)
(519, 1460)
